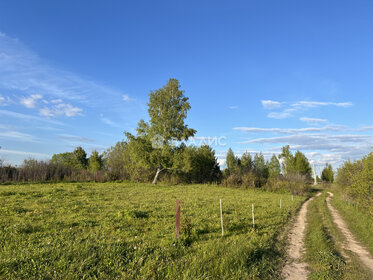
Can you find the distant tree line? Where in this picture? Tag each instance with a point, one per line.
(356, 180)
(255, 172)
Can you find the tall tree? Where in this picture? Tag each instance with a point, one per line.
(95, 162)
(260, 166)
(288, 161)
(156, 141)
(302, 164)
(79, 158)
(327, 174)
(274, 167)
(246, 162)
(230, 160)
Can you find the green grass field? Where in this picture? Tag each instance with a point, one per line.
(127, 231)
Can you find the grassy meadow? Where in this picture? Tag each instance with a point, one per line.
(127, 231)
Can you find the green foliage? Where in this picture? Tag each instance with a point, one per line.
(246, 162)
(168, 108)
(358, 220)
(297, 164)
(274, 167)
(249, 173)
(154, 145)
(116, 159)
(76, 159)
(327, 175)
(127, 231)
(95, 162)
(260, 166)
(302, 166)
(288, 160)
(231, 161)
(197, 164)
(357, 179)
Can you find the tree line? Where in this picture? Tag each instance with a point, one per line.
(356, 180)
(159, 151)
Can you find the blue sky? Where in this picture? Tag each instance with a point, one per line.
(259, 74)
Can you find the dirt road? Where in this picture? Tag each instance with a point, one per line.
(351, 243)
(295, 269)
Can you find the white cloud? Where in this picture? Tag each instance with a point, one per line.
(315, 104)
(281, 115)
(75, 138)
(108, 121)
(270, 104)
(5, 101)
(30, 102)
(18, 136)
(365, 128)
(233, 107)
(314, 141)
(289, 109)
(23, 153)
(312, 120)
(290, 130)
(61, 109)
(55, 101)
(29, 118)
(126, 98)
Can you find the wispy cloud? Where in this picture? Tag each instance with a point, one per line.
(21, 70)
(61, 109)
(108, 121)
(313, 120)
(126, 98)
(314, 141)
(30, 102)
(315, 104)
(17, 136)
(233, 107)
(5, 100)
(270, 104)
(24, 153)
(291, 108)
(29, 118)
(291, 130)
(75, 138)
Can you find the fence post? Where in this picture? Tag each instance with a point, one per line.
(221, 218)
(177, 219)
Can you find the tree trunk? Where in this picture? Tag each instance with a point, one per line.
(156, 176)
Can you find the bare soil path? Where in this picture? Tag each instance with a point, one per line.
(351, 243)
(295, 269)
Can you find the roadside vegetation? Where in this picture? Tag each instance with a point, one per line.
(127, 231)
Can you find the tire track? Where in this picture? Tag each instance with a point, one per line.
(351, 243)
(295, 269)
